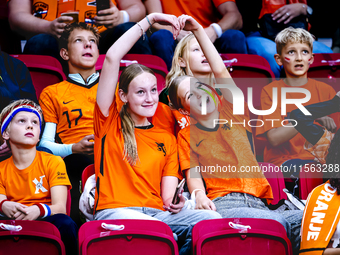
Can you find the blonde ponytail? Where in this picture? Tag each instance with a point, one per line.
(128, 125)
(128, 130)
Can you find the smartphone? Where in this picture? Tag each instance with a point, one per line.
(74, 15)
(102, 5)
(179, 189)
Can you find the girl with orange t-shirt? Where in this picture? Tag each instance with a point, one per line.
(214, 157)
(136, 164)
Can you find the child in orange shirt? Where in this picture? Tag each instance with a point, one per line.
(136, 164)
(285, 144)
(68, 106)
(33, 184)
(205, 145)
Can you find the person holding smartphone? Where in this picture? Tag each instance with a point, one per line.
(42, 22)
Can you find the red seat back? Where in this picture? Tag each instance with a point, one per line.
(138, 237)
(88, 171)
(219, 236)
(250, 71)
(44, 70)
(35, 238)
(68, 203)
(275, 179)
(326, 68)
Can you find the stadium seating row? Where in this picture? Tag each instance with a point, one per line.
(230, 236)
(247, 71)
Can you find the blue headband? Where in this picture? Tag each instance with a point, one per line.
(10, 116)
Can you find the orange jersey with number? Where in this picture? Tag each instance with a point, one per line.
(293, 148)
(226, 150)
(52, 9)
(118, 183)
(70, 105)
(33, 184)
(205, 12)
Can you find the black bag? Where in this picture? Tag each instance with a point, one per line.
(269, 28)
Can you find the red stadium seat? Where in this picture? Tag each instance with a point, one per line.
(44, 70)
(276, 181)
(34, 238)
(88, 171)
(240, 236)
(309, 179)
(68, 203)
(250, 71)
(326, 68)
(130, 237)
(155, 63)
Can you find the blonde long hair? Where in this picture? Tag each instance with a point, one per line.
(128, 125)
(176, 70)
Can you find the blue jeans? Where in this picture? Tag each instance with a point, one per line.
(68, 231)
(266, 48)
(242, 205)
(45, 44)
(231, 41)
(180, 223)
(42, 44)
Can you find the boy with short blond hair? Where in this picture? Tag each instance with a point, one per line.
(33, 184)
(285, 144)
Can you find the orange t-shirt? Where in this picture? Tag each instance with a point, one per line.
(118, 183)
(33, 184)
(224, 147)
(292, 149)
(205, 12)
(70, 106)
(270, 6)
(166, 118)
(52, 9)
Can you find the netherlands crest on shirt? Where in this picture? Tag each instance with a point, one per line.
(40, 10)
(89, 16)
(39, 185)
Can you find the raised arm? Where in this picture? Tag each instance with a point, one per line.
(23, 22)
(213, 57)
(109, 75)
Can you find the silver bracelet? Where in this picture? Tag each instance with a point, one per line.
(143, 33)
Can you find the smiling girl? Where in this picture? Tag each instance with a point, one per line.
(136, 164)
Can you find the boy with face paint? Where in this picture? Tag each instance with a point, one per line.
(285, 145)
(33, 184)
